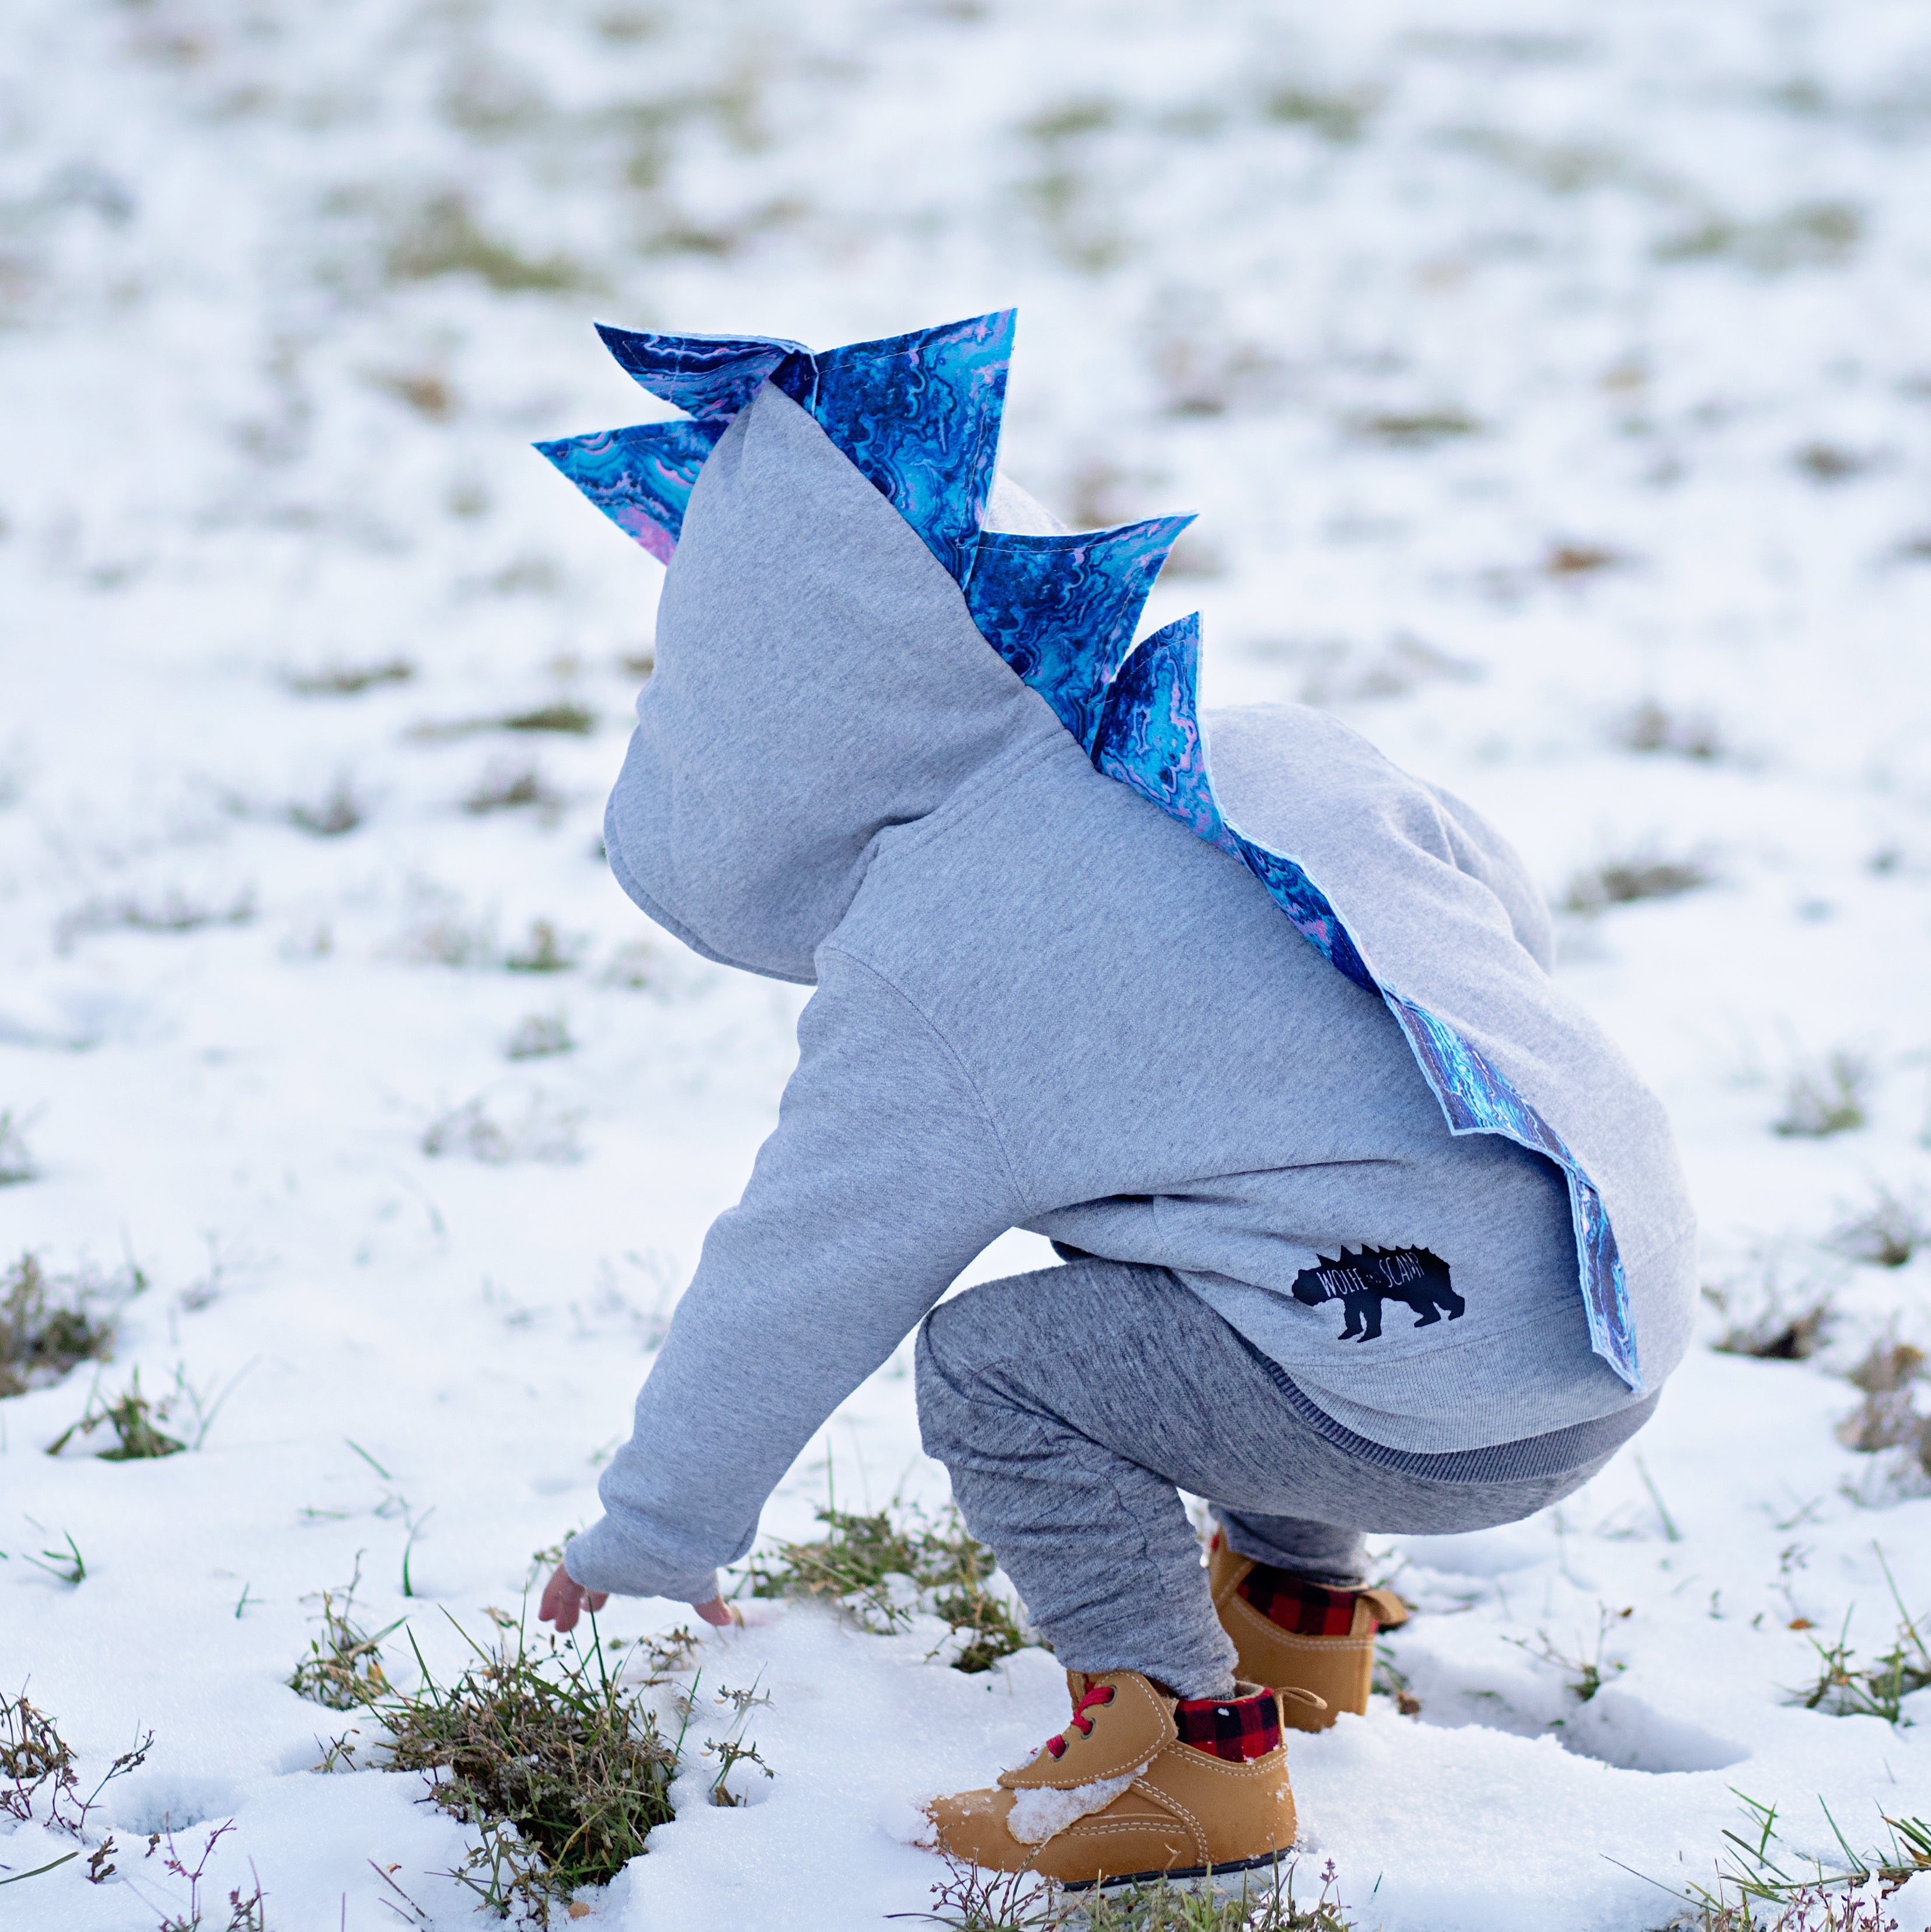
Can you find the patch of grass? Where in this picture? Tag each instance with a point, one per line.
(558, 1766)
(632, 966)
(1201, 376)
(1879, 1688)
(1643, 874)
(1586, 1671)
(1830, 463)
(1391, 1681)
(1818, 234)
(66, 1565)
(543, 1133)
(427, 392)
(1415, 429)
(883, 1569)
(1340, 672)
(1562, 167)
(344, 1667)
(538, 1035)
(510, 788)
(1339, 116)
(247, 1911)
(173, 909)
(544, 951)
(1828, 1097)
(349, 680)
(1769, 1322)
(1652, 727)
(563, 716)
(17, 1165)
(1887, 1417)
(576, 720)
(970, 1899)
(1068, 120)
(731, 1750)
(445, 238)
(1761, 1871)
(49, 1325)
(39, 1774)
(135, 1421)
(1582, 560)
(340, 809)
(1886, 1235)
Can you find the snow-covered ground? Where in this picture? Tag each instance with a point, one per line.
(1530, 364)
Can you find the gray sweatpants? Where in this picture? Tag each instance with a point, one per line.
(1071, 1406)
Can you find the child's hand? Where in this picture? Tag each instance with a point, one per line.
(565, 1599)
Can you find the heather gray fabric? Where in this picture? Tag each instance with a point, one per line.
(1065, 1459)
(1041, 1003)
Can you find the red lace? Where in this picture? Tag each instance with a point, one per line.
(1101, 1693)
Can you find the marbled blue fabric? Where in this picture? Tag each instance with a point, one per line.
(640, 478)
(711, 377)
(1062, 610)
(1477, 1100)
(1149, 737)
(918, 416)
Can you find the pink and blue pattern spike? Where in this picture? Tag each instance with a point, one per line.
(640, 479)
(918, 416)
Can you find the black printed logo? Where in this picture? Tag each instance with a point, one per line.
(1361, 1283)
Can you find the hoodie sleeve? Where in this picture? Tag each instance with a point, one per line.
(884, 1178)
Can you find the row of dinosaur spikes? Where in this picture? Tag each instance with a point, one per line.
(918, 416)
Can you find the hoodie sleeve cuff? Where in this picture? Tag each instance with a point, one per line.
(606, 1557)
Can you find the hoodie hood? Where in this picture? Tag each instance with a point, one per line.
(818, 679)
(824, 673)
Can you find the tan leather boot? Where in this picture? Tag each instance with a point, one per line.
(1298, 1636)
(1137, 1786)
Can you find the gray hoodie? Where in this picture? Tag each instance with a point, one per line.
(1042, 1003)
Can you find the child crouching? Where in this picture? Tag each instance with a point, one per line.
(1366, 1227)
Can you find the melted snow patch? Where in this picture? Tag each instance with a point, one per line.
(1038, 1813)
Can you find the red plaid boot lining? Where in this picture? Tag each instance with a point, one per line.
(1238, 1729)
(1308, 1609)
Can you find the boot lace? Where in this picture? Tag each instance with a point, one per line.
(1100, 1695)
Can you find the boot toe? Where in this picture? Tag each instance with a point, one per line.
(972, 1827)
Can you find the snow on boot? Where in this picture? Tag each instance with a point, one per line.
(1137, 1786)
(1298, 1635)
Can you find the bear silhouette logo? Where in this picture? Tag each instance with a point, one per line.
(1361, 1283)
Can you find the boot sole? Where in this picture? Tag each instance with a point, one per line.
(1174, 1875)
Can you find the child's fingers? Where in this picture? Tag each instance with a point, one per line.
(717, 1612)
(562, 1595)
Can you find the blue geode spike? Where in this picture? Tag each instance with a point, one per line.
(1149, 731)
(918, 416)
(711, 377)
(1062, 610)
(641, 478)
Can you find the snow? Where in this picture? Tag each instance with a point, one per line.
(1525, 364)
(1040, 1811)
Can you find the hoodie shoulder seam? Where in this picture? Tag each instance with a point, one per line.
(1019, 1193)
